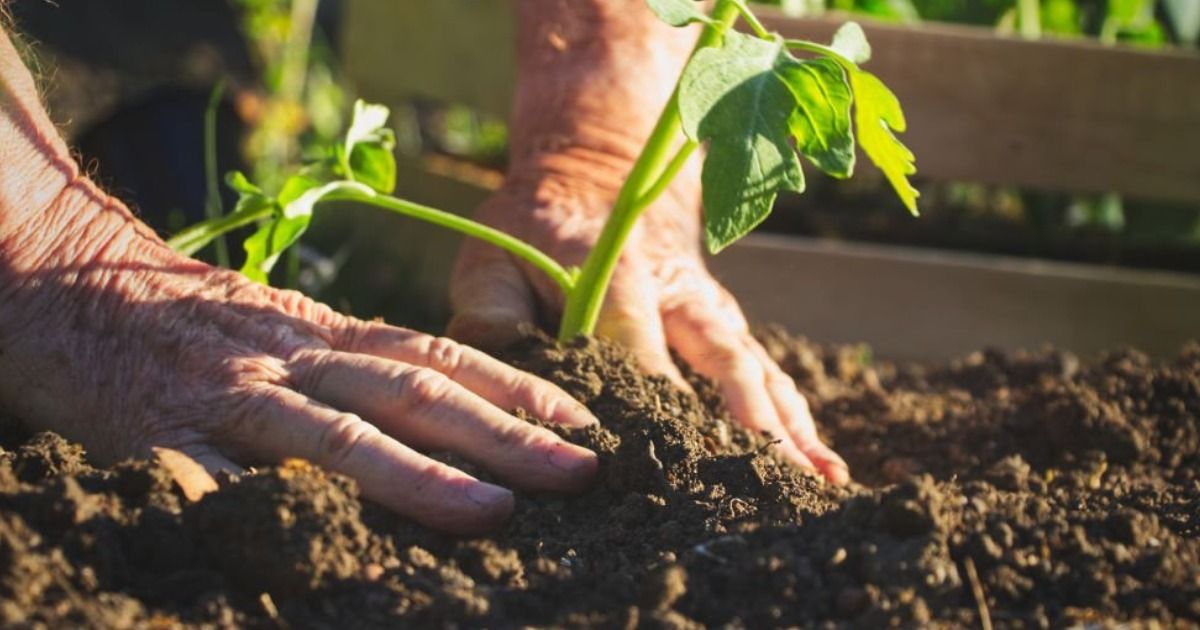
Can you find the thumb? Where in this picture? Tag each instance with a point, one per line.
(631, 317)
(490, 298)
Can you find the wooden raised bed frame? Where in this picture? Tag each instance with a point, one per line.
(981, 108)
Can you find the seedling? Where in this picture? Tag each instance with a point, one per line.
(754, 104)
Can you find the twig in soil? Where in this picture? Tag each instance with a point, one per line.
(272, 611)
(985, 617)
(654, 456)
(762, 449)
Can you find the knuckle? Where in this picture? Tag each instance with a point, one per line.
(444, 355)
(341, 437)
(513, 434)
(421, 390)
(349, 334)
(308, 369)
(733, 359)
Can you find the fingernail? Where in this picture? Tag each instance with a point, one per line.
(576, 416)
(839, 474)
(487, 495)
(573, 459)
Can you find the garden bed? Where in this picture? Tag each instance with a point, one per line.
(1026, 489)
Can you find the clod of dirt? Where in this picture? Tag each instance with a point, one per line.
(286, 531)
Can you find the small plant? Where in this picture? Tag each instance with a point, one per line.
(756, 106)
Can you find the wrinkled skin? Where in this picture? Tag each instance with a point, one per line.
(112, 339)
(593, 76)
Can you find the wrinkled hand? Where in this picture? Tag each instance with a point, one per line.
(113, 340)
(662, 296)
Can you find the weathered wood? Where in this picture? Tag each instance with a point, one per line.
(1051, 114)
(913, 304)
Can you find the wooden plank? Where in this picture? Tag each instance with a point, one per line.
(913, 304)
(1052, 114)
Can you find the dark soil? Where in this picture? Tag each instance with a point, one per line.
(1030, 489)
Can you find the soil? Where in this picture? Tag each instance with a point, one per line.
(1027, 490)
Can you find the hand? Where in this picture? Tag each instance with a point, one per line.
(111, 339)
(661, 296)
(592, 77)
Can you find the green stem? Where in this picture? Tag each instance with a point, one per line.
(752, 20)
(212, 206)
(192, 239)
(668, 175)
(565, 278)
(824, 51)
(582, 308)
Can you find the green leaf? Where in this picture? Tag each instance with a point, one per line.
(678, 12)
(366, 155)
(738, 98)
(239, 183)
(300, 194)
(296, 186)
(374, 165)
(264, 247)
(821, 122)
(851, 42)
(879, 118)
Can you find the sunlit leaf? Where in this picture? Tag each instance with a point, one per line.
(678, 12)
(737, 98)
(878, 118)
(821, 122)
(851, 42)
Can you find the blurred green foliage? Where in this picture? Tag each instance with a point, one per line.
(1134, 21)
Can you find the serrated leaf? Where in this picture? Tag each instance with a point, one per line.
(678, 12)
(878, 118)
(736, 98)
(821, 122)
(851, 42)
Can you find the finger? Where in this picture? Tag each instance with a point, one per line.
(286, 424)
(797, 419)
(489, 297)
(498, 383)
(719, 352)
(424, 408)
(632, 318)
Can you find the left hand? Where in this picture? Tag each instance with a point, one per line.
(662, 296)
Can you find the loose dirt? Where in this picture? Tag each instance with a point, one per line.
(1027, 490)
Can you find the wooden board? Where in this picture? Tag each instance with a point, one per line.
(913, 304)
(1057, 115)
